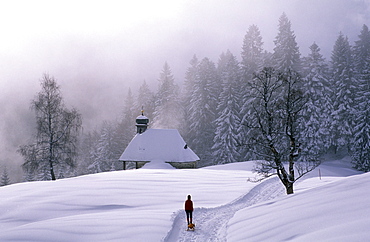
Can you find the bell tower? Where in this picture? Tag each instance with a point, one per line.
(141, 123)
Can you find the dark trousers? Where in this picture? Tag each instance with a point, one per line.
(189, 215)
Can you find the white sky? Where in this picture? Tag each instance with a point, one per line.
(43, 19)
(66, 33)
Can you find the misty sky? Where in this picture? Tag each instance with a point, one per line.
(97, 49)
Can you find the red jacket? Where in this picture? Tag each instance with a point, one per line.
(188, 205)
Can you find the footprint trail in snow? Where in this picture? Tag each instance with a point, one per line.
(211, 223)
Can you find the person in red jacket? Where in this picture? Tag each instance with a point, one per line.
(189, 210)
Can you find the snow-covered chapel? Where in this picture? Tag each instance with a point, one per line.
(158, 146)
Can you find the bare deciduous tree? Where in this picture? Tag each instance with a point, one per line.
(57, 130)
(274, 123)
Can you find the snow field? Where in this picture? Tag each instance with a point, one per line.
(147, 205)
(133, 205)
(336, 211)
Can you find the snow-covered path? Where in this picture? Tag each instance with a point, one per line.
(211, 223)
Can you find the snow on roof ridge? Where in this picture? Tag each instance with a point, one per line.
(158, 144)
(142, 117)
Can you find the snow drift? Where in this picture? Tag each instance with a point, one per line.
(142, 205)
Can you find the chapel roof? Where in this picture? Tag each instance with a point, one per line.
(158, 145)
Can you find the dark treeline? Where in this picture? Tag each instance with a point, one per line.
(214, 108)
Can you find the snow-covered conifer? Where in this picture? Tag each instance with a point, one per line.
(202, 112)
(125, 127)
(361, 52)
(104, 154)
(5, 180)
(145, 100)
(226, 148)
(342, 79)
(316, 114)
(168, 113)
(361, 129)
(286, 56)
(87, 145)
(190, 79)
(252, 51)
(252, 62)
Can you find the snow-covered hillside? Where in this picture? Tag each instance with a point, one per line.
(146, 205)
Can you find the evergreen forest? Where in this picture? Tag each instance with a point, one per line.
(216, 110)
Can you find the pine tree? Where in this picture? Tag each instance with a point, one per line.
(361, 139)
(316, 119)
(361, 129)
(105, 154)
(168, 113)
(202, 112)
(145, 100)
(226, 148)
(344, 87)
(252, 51)
(252, 62)
(191, 77)
(87, 145)
(125, 128)
(5, 180)
(28, 177)
(189, 83)
(129, 111)
(361, 53)
(286, 56)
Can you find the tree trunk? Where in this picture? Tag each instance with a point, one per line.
(52, 171)
(289, 188)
